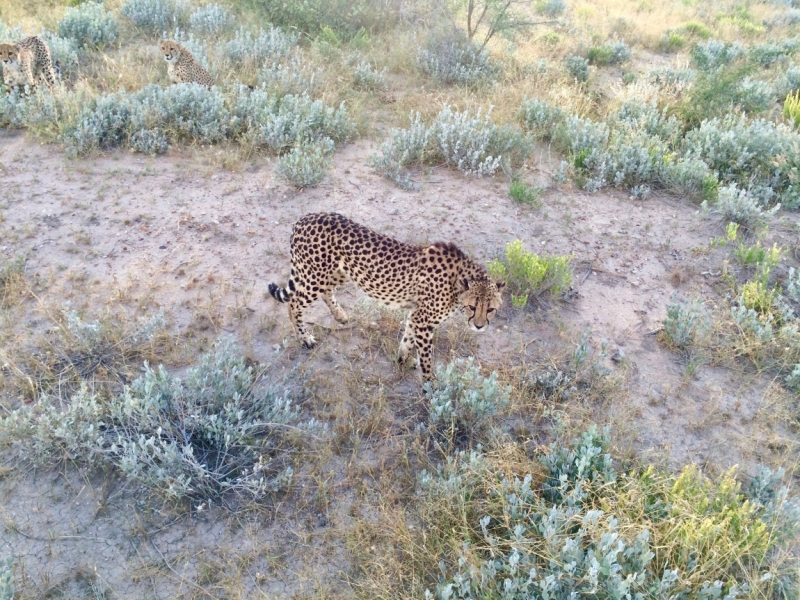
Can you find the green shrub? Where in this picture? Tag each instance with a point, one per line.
(672, 42)
(306, 165)
(462, 402)
(791, 108)
(610, 53)
(529, 275)
(365, 77)
(758, 255)
(90, 25)
(739, 206)
(714, 54)
(524, 193)
(696, 29)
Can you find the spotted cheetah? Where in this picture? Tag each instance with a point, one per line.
(182, 66)
(26, 63)
(433, 281)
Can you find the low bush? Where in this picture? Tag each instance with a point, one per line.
(714, 54)
(672, 41)
(211, 19)
(249, 50)
(791, 108)
(452, 59)
(306, 165)
(529, 275)
(540, 118)
(772, 52)
(220, 432)
(90, 25)
(470, 143)
(550, 8)
(365, 77)
(63, 51)
(7, 588)
(739, 206)
(292, 75)
(610, 53)
(689, 177)
(462, 402)
(685, 323)
(574, 526)
(577, 67)
(11, 276)
(156, 16)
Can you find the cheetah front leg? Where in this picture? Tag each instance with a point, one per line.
(336, 310)
(423, 340)
(297, 304)
(406, 343)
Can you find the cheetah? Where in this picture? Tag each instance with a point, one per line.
(26, 63)
(182, 66)
(433, 281)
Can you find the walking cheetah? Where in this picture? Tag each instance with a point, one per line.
(26, 63)
(433, 281)
(182, 66)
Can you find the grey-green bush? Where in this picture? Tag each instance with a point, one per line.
(156, 16)
(90, 25)
(306, 165)
(451, 58)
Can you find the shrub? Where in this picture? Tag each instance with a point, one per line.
(770, 53)
(696, 29)
(690, 177)
(462, 402)
(156, 16)
(755, 96)
(540, 118)
(252, 51)
(590, 531)
(675, 80)
(524, 193)
(90, 25)
(367, 78)
(672, 41)
(577, 67)
(758, 255)
(470, 143)
(685, 323)
(739, 206)
(306, 165)
(793, 285)
(793, 379)
(63, 51)
(211, 19)
(755, 154)
(217, 433)
(293, 76)
(11, 275)
(7, 589)
(149, 141)
(453, 59)
(714, 54)
(610, 53)
(529, 275)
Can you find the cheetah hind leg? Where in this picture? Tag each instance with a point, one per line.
(296, 307)
(336, 310)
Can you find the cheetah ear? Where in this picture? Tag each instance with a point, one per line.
(500, 285)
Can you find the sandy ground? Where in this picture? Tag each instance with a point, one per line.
(180, 233)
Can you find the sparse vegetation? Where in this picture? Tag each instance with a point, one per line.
(89, 25)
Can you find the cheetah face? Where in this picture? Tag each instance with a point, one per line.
(480, 301)
(171, 50)
(9, 54)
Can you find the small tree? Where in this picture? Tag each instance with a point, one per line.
(494, 16)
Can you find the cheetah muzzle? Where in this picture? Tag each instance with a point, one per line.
(432, 281)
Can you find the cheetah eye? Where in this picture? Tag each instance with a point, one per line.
(490, 310)
(472, 308)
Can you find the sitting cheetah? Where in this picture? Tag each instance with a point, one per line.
(433, 281)
(26, 63)
(182, 67)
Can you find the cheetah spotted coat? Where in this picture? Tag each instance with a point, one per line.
(27, 63)
(433, 281)
(182, 66)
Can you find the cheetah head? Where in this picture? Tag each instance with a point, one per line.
(171, 50)
(480, 300)
(9, 54)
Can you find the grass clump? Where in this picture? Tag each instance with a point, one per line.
(11, 277)
(572, 525)
(452, 59)
(462, 402)
(791, 108)
(529, 275)
(540, 118)
(524, 193)
(217, 433)
(306, 165)
(740, 206)
(90, 25)
(365, 77)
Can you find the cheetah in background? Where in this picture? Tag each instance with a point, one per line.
(182, 66)
(433, 281)
(26, 63)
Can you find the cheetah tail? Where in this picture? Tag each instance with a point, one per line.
(281, 294)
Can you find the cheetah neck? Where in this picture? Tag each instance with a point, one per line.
(470, 270)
